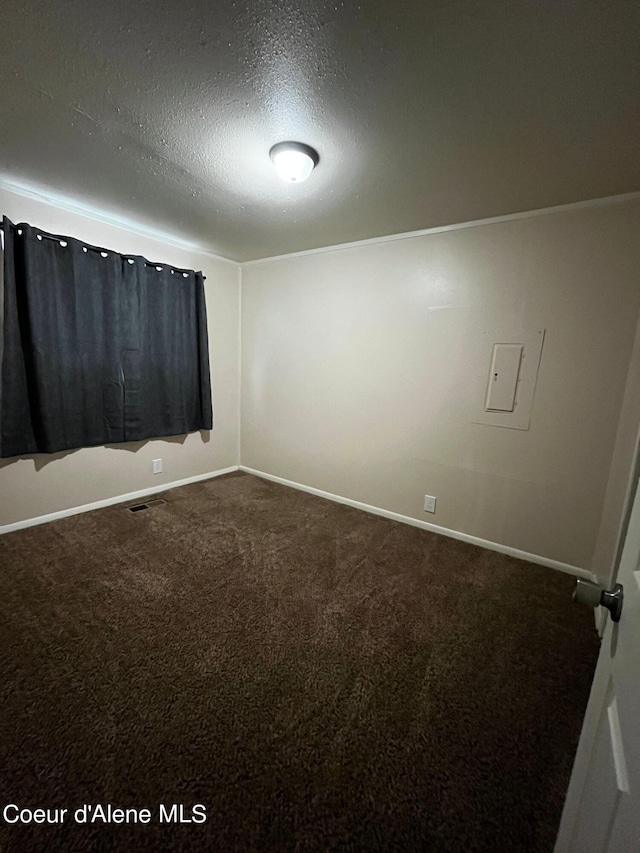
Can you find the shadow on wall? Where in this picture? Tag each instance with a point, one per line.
(41, 460)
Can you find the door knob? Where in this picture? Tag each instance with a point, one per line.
(589, 593)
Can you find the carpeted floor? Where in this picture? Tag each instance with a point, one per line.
(318, 678)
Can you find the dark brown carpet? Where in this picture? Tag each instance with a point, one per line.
(319, 678)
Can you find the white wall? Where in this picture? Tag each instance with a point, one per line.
(359, 364)
(42, 484)
(358, 376)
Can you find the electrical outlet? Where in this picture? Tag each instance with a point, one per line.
(429, 503)
(157, 466)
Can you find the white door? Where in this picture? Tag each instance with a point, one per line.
(602, 809)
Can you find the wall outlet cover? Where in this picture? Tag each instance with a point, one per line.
(429, 503)
(157, 466)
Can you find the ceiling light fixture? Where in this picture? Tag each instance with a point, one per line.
(294, 161)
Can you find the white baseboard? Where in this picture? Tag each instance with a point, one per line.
(131, 496)
(394, 516)
(433, 528)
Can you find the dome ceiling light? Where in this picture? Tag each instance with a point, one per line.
(294, 161)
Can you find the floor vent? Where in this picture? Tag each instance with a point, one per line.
(148, 505)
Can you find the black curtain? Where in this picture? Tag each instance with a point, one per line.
(97, 347)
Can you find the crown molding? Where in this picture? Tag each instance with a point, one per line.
(459, 226)
(62, 202)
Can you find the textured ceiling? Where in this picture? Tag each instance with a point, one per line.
(424, 113)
